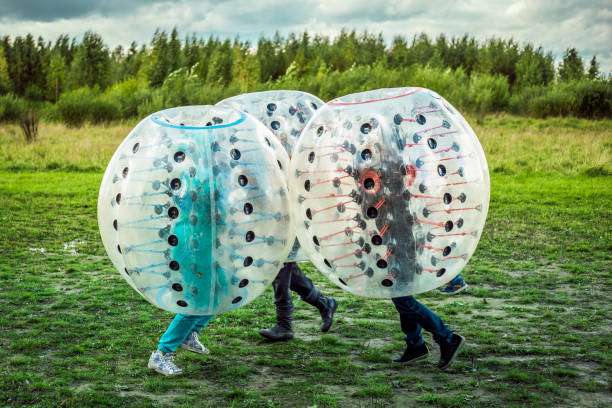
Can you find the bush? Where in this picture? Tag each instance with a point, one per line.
(29, 125)
(129, 96)
(11, 108)
(72, 106)
(85, 104)
(556, 101)
(487, 93)
(593, 98)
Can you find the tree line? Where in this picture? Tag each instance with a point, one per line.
(493, 75)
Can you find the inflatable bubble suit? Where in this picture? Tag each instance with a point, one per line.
(193, 209)
(390, 191)
(285, 113)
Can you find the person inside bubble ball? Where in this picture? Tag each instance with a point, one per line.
(415, 316)
(182, 332)
(291, 278)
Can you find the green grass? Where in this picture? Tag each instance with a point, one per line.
(537, 319)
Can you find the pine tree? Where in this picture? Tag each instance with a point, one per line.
(572, 67)
(5, 80)
(92, 64)
(175, 53)
(593, 72)
(56, 76)
(159, 64)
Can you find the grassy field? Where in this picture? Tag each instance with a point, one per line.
(538, 317)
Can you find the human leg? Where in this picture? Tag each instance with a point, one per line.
(284, 307)
(413, 316)
(181, 327)
(192, 342)
(310, 294)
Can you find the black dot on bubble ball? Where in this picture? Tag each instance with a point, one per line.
(311, 157)
(327, 263)
(243, 283)
(237, 299)
(125, 172)
(207, 124)
(179, 157)
(243, 180)
(118, 198)
(447, 198)
(177, 286)
(307, 185)
(173, 240)
(369, 183)
(248, 261)
(342, 281)
(135, 147)
(448, 226)
(441, 170)
(175, 184)
(397, 119)
(376, 240)
(441, 272)
(275, 125)
(314, 105)
(460, 223)
(115, 225)
(235, 154)
(420, 119)
(174, 265)
(181, 303)
(248, 208)
(387, 283)
(268, 142)
(372, 212)
(366, 154)
(381, 263)
(315, 240)
(271, 107)
(249, 236)
(320, 130)
(280, 166)
(309, 214)
(119, 248)
(432, 143)
(173, 212)
(365, 128)
(446, 251)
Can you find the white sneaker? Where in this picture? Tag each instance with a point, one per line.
(192, 343)
(163, 363)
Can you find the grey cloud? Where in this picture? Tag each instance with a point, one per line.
(50, 10)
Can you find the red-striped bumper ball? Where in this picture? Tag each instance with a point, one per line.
(390, 191)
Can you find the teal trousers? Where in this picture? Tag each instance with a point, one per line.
(180, 328)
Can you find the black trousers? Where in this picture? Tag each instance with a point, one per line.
(291, 278)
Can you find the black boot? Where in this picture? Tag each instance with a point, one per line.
(284, 307)
(449, 350)
(327, 307)
(277, 333)
(413, 354)
(282, 331)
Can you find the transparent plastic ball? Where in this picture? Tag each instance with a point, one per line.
(193, 209)
(389, 191)
(285, 113)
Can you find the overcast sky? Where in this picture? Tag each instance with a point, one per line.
(554, 24)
